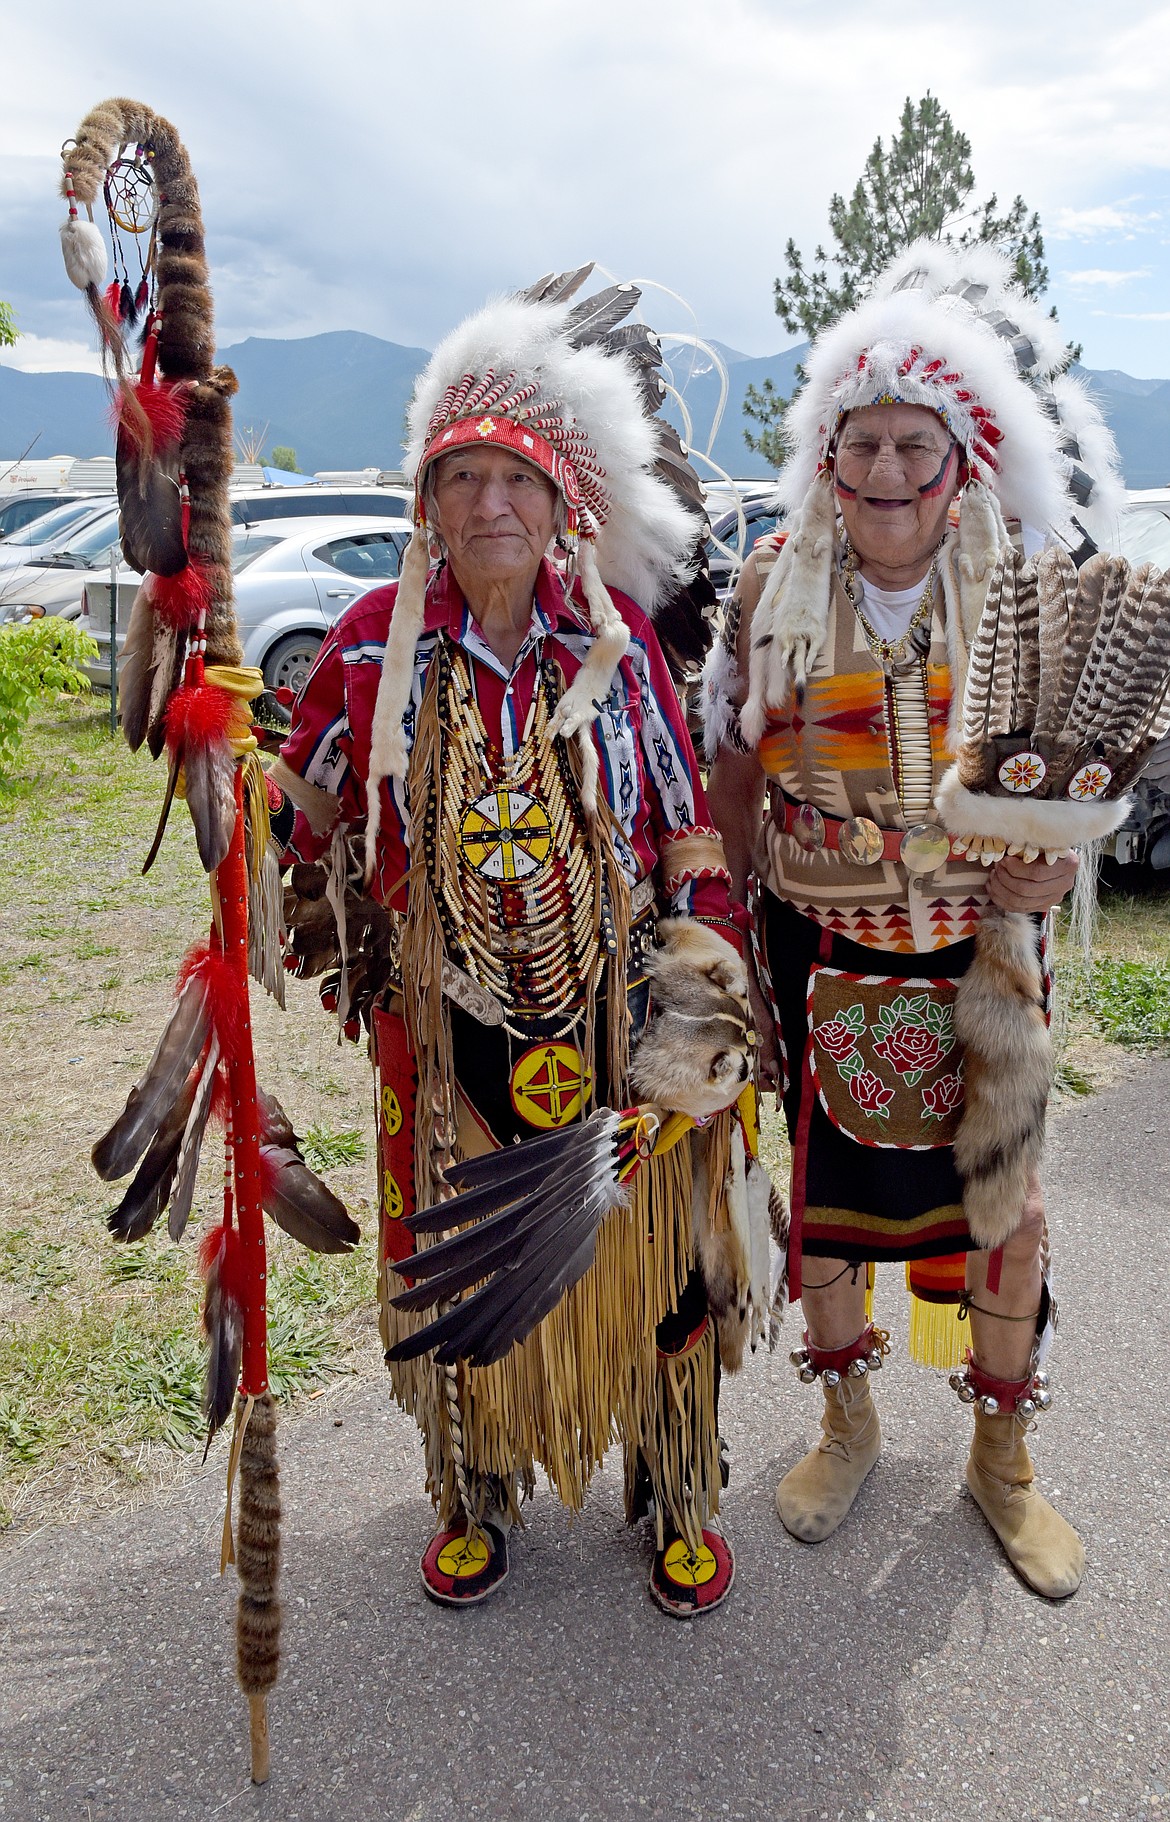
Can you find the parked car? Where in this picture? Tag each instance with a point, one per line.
(291, 582)
(731, 543)
(53, 531)
(20, 509)
(1143, 532)
(722, 496)
(255, 504)
(54, 583)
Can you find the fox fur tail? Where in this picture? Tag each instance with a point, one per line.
(1000, 1020)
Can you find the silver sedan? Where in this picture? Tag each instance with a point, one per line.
(293, 579)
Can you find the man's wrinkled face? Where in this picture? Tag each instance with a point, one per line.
(495, 512)
(896, 470)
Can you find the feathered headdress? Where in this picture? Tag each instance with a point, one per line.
(572, 388)
(949, 329)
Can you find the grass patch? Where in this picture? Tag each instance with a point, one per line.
(1120, 998)
(1129, 1001)
(108, 1379)
(101, 1349)
(325, 1149)
(35, 1266)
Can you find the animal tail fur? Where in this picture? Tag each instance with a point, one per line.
(999, 1017)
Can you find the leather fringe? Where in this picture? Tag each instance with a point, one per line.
(670, 1423)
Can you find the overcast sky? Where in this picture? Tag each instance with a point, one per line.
(367, 164)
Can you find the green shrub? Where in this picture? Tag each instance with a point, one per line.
(37, 662)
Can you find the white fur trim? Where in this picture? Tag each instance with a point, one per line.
(85, 252)
(720, 678)
(792, 617)
(581, 702)
(1049, 823)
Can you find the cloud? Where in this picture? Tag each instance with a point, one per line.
(385, 168)
(1135, 316)
(50, 354)
(1105, 218)
(1100, 275)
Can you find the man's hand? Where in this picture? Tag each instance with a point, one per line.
(1031, 885)
(767, 1059)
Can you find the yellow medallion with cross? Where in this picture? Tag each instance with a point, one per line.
(549, 1084)
(464, 1556)
(689, 1568)
(506, 835)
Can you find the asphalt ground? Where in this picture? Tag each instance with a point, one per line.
(898, 1670)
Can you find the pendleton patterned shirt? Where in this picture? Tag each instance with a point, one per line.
(647, 761)
(836, 750)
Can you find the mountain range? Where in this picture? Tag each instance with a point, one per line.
(339, 400)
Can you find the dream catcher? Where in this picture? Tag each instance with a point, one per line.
(183, 689)
(131, 209)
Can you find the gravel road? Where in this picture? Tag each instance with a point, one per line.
(897, 1671)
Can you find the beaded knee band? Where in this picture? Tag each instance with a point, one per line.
(1022, 1398)
(855, 1360)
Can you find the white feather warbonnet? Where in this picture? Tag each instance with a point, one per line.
(948, 328)
(644, 538)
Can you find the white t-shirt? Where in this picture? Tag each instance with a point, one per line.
(890, 610)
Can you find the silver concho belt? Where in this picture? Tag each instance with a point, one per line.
(921, 849)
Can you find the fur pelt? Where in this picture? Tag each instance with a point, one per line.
(258, 1616)
(999, 1019)
(720, 694)
(791, 620)
(745, 1291)
(695, 1057)
(388, 756)
(85, 253)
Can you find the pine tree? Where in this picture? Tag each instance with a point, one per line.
(920, 185)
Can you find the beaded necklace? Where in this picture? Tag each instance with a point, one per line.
(889, 652)
(524, 911)
(907, 692)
